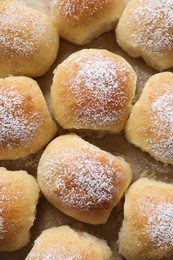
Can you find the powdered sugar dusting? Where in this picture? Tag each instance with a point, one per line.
(8, 199)
(153, 23)
(81, 178)
(161, 113)
(99, 88)
(76, 10)
(59, 251)
(20, 31)
(160, 226)
(18, 123)
(154, 214)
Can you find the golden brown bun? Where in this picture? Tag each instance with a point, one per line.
(147, 230)
(81, 180)
(145, 29)
(66, 243)
(93, 89)
(19, 194)
(81, 21)
(29, 41)
(25, 123)
(150, 125)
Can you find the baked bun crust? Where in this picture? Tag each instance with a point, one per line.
(25, 123)
(66, 243)
(29, 40)
(19, 194)
(81, 21)
(147, 230)
(93, 89)
(81, 180)
(150, 125)
(145, 29)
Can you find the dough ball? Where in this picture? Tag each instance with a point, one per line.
(66, 243)
(150, 125)
(29, 40)
(147, 230)
(81, 180)
(80, 21)
(25, 122)
(145, 29)
(93, 90)
(19, 194)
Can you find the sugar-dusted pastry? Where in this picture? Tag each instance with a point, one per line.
(19, 194)
(145, 29)
(147, 229)
(66, 243)
(82, 180)
(150, 125)
(25, 122)
(80, 21)
(93, 89)
(29, 40)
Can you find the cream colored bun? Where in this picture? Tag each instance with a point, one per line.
(19, 194)
(145, 29)
(93, 89)
(66, 243)
(80, 21)
(25, 123)
(81, 180)
(150, 125)
(29, 40)
(147, 230)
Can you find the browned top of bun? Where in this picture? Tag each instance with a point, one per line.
(81, 179)
(77, 12)
(66, 243)
(93, 89)
(24, 118)
(145, 29)
(150, 125)
(19, 194)
(23, 31)
(147, 231)
(19, 117)
(152, 25)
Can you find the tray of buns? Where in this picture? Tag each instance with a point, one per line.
(86, 129)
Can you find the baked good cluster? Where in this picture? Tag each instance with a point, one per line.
(93, 93)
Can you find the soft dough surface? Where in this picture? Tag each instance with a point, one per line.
(147, 230)
(82, 180)
(80, 21)
(93, 89)
(150, 125)
(145, 29)
(25, 122)
(19, 194)
(66, 243)
(29, 40)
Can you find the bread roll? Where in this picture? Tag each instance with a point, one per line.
(66, 243)
(145, 29)
(81, 21)
(147, 230)
(25, 123)
(81, 180)
(29, 40)
(150, 125)
(19, 194)
(93, 89)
